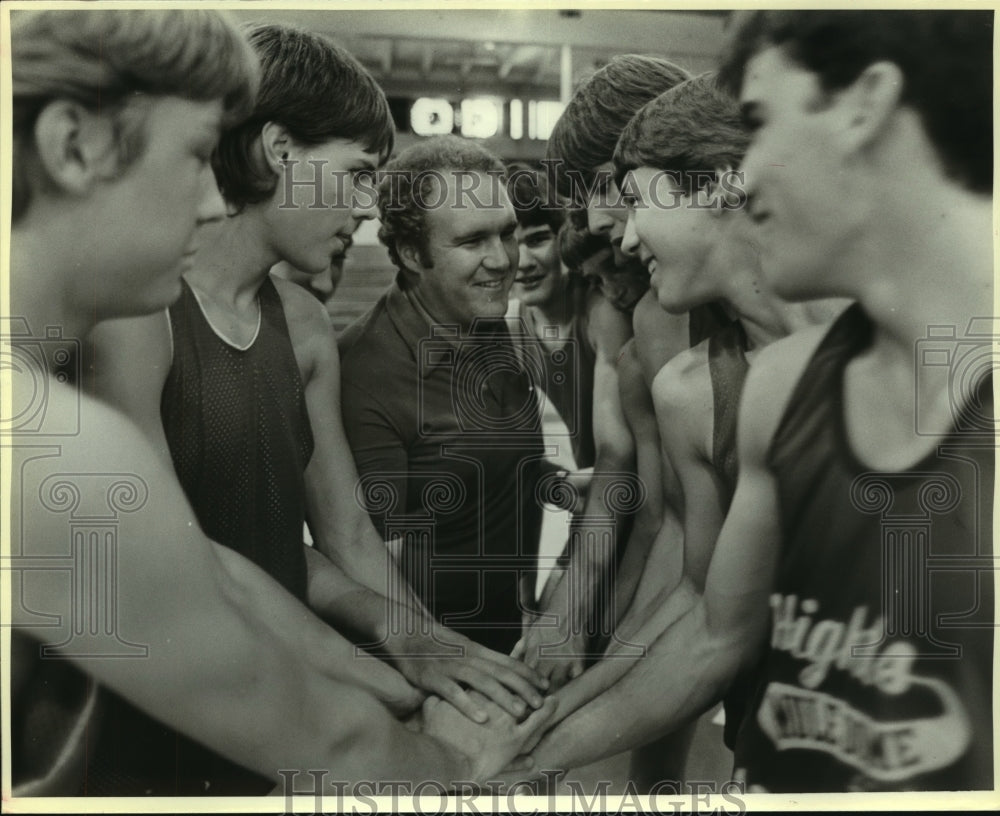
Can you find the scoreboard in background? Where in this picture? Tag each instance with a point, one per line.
(477, 117)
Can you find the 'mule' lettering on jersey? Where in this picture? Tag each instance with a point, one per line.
(802, 717)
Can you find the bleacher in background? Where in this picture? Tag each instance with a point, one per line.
(367, 273)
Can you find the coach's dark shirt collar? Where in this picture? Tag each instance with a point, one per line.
(414, 324)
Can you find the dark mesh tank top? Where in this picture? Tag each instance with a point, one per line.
(878, 675)
(240, 440)
(705, 320)
(727, 366)
(239, 435)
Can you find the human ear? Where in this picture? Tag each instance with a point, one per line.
(76, 148)
(276, 142)
(869, 102)
(410, 256)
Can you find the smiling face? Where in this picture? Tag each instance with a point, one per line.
(145, 220)
(539, 272)
(801, 197)
(311, 227)
(674, 240)
(472, 249)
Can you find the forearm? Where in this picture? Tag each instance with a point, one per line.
(299, 709)
(372, 745)
(640, 629)
(293, 624)
(632, 568)
(645, 622)
(593, 541)
(346, 535)
(344, 602)
(684, 672)
(364, 560)
(693, 662)
(263, 684)
(376, 622)
(343, 731)
(657, 576)
(552, 584)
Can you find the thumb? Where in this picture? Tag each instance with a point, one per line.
(430, 704)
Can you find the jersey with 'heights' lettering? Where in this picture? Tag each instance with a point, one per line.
(878, 674)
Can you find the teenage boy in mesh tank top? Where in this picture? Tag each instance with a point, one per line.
(239, 386)
(115, 116)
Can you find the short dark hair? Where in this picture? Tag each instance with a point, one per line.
(577, 245)
(112, 61)
(584, 137)
(695, 126)
(946, 58)
(406, 184)
(317, 91)
(534, 203)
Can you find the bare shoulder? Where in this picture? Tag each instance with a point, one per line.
(108, 452)
(309, 329)
(682, 392)
(127, 361)
(652, 322)
(145, 339)
(107, 439)
(662, 335)
(301, 309)
(608, 328)
(682, 381)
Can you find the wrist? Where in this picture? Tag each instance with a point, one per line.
(463, 767)
(395, 648)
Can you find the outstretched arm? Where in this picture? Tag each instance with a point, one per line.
(231, 659)
(683, 398)
(689, 667)
(557, 651)
(655, 513)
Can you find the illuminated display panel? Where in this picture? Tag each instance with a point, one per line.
(432, 117)
(481, 118)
